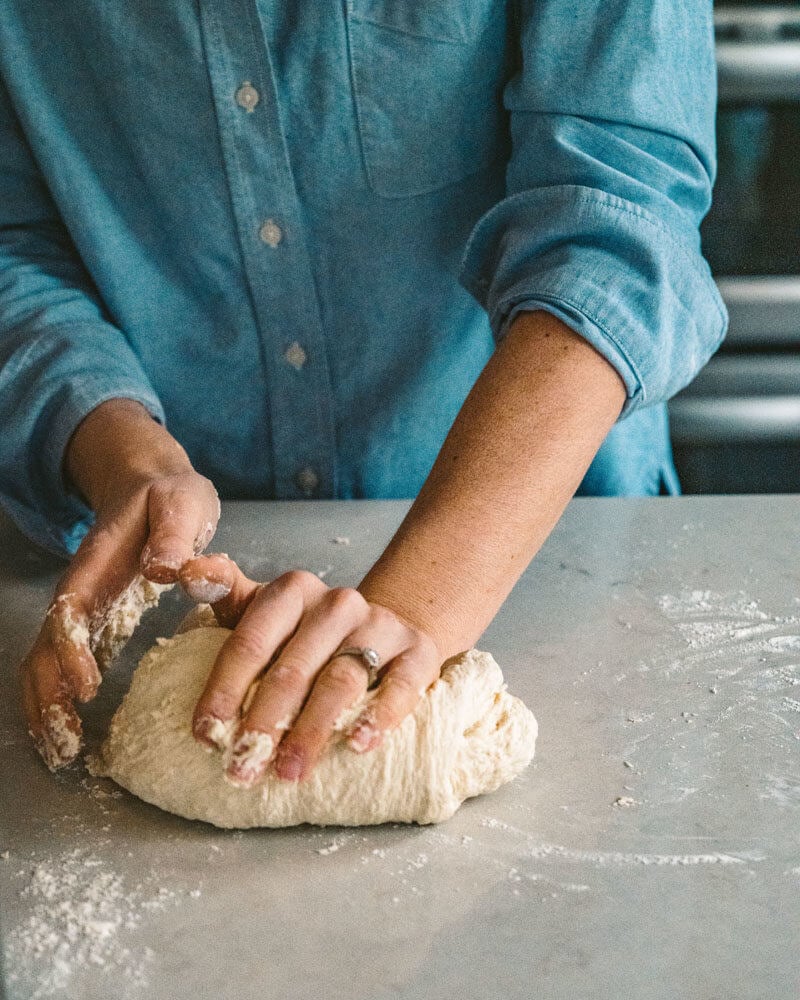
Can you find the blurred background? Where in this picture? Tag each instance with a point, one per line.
(736, 429)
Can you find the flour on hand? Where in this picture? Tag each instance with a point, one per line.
(114, 624)
(467, 736)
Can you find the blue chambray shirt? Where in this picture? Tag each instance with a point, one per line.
(293, 229)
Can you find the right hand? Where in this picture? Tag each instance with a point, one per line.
(153, 513)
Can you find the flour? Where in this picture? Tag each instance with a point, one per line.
(624, 859)
(114, 624)
(258, 748)
(712, 622)
(107, 633)
(208, 591)
(81, 915)
(331, 848)
(75, 631)
(219, 732)
(62, 744)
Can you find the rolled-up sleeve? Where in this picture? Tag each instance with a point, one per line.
(612, 127)
(60, 354)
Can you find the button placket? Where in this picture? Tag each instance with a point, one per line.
(281, 280)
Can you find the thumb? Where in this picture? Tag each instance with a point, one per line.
(218, 581)
(182, 516)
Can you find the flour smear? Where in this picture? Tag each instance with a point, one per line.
(81, 915)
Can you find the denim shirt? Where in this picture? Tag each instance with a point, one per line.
(294, 229)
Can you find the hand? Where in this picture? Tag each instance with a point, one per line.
(148, 523)
(286, 634)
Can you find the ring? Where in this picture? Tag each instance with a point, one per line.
(370, 659)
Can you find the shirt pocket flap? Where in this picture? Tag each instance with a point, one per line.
(428, 82)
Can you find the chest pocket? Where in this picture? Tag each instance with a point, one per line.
(428, 77)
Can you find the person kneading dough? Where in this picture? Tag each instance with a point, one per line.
(442, 251)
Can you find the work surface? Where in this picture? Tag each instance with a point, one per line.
(652, 851)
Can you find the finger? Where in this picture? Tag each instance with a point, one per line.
(52, 721)
(67, 625)
(181, 521)
(217, 580)
(405, 682)
(273, 614)
(283, 689)
(338, 687)
(102, 568)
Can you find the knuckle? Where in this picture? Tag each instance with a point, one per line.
(426, 649)
(345, 601)
(164, 539)
(342, 674)
(245, 644)
(401, 686)
(287, 673)
(380, 617)
(207, 487)
(295, 579)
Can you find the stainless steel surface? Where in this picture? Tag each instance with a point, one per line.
(740, 397)
(736, 429)
(658, 642)
(758, 53)
(763, 311)
(727, 420)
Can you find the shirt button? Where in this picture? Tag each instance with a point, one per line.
(271, 233)
(295, 355)
(247, 97)
(307, 480)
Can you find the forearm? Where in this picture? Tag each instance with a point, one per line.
(119, 445)
(513, 459)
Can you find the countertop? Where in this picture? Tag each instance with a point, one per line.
(652, 851)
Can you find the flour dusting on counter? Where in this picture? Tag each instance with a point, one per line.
(80, 914)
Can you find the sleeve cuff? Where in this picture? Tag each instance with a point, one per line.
(638, 290)
(59, 524)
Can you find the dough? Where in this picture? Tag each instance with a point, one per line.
(468, 736)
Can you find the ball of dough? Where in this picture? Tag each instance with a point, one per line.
(467, 736)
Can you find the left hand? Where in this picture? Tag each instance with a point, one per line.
(289, 631)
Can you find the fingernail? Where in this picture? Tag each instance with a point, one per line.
(289, 767)
(214, 733)
(160, 556)
(161, 567)
(364, 737)
(251, 753)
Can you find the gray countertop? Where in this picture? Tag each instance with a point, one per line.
(651, 851)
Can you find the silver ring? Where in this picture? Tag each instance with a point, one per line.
(369, 658)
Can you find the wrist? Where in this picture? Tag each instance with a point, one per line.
(426, 597)
(118, 448)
